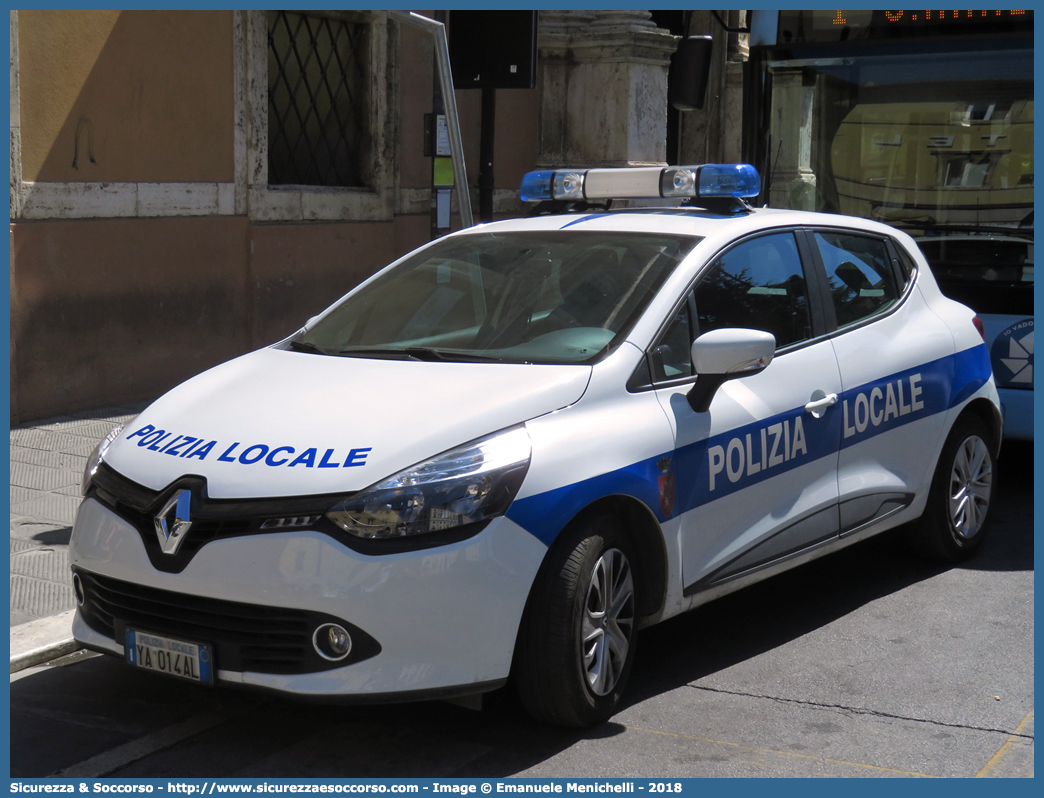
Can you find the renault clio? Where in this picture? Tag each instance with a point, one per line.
(510, 450)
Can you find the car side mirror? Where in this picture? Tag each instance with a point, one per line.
(728, 354)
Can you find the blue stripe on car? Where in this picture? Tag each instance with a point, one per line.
(917, 393)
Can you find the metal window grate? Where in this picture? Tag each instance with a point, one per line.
(318, 108)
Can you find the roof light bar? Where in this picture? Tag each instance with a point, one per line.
(643, 182)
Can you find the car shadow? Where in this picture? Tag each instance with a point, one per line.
(54, 537)
(790, 605)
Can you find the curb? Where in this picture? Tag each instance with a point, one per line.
(39, 641)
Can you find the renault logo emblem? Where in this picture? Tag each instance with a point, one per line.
(174, 521)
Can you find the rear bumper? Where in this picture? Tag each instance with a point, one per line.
(1017, 404)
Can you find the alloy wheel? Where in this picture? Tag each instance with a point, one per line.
(608, 621)
(971, 482)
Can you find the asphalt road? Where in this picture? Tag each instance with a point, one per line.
(868, 663)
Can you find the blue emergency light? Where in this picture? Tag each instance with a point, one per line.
(644, 182)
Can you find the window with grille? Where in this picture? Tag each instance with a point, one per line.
(318, 103)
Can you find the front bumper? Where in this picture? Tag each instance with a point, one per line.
(444, 620)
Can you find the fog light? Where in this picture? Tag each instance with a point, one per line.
(78, 590)
(332, 642)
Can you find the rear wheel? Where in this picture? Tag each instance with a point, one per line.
(957, 516)
(578, 635)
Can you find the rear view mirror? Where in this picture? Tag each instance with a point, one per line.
(728, 354)
(689, 73)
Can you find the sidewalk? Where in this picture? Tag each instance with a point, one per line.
(47, 460)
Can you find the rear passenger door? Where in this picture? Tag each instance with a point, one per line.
(895, 383)
(757, 473)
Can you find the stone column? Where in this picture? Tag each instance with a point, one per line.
(732, 114)
(790, 160)
(604, 88)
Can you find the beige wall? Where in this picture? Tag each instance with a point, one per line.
(415, 87)
(147, 94)
(116, 310)
(107, 310)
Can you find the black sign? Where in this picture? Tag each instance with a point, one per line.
(493, 49)
(796, 27)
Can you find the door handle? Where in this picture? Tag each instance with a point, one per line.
(819, 404)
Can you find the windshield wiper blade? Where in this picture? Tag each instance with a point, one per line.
(420, 353)
(450, 356)
(387, 354)
(305, 346)
(465, 357)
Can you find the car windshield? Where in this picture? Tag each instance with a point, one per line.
(520, 297)
(990, 274)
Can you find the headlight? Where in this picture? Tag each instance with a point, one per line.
(471, 483)
(95, 458)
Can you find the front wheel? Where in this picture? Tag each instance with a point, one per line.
(578, 634)
(956, 518)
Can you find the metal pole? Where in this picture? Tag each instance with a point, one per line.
(449, 99)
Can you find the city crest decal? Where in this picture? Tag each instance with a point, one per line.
(1012, 356)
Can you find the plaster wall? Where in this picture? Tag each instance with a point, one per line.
(126, 96)
(116, 310)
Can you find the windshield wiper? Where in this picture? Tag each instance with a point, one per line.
(305, 346)
(420, 353)
(387, 354)
(452, 356)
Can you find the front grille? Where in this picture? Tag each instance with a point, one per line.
(246, 637)
(203, 531)
(212, 519)
(217, 519)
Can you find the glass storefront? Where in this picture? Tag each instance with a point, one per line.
(923, 132)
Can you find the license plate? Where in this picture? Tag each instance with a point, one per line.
(181, 658)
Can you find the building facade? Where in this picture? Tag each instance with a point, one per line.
(189, 185)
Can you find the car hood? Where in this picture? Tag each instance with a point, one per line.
(280, 423)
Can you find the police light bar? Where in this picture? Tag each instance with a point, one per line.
(646, 182)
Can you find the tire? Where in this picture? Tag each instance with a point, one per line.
(577, 639)
(956, 518)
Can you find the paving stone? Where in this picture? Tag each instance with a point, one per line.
(46, 563)
(74, 445)
(92, 429)
(18, 617)
(46, 463)
(39, 457)
(51, 507)
(24, 475)
(36, 533)
(23, 495)
(41, 598)
(34, 438)
(20, 521)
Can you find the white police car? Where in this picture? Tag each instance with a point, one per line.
(516, 446)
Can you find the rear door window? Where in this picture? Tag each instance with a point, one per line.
(860, 278)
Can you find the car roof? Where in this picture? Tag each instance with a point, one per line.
(985, 237)
(682, 221)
